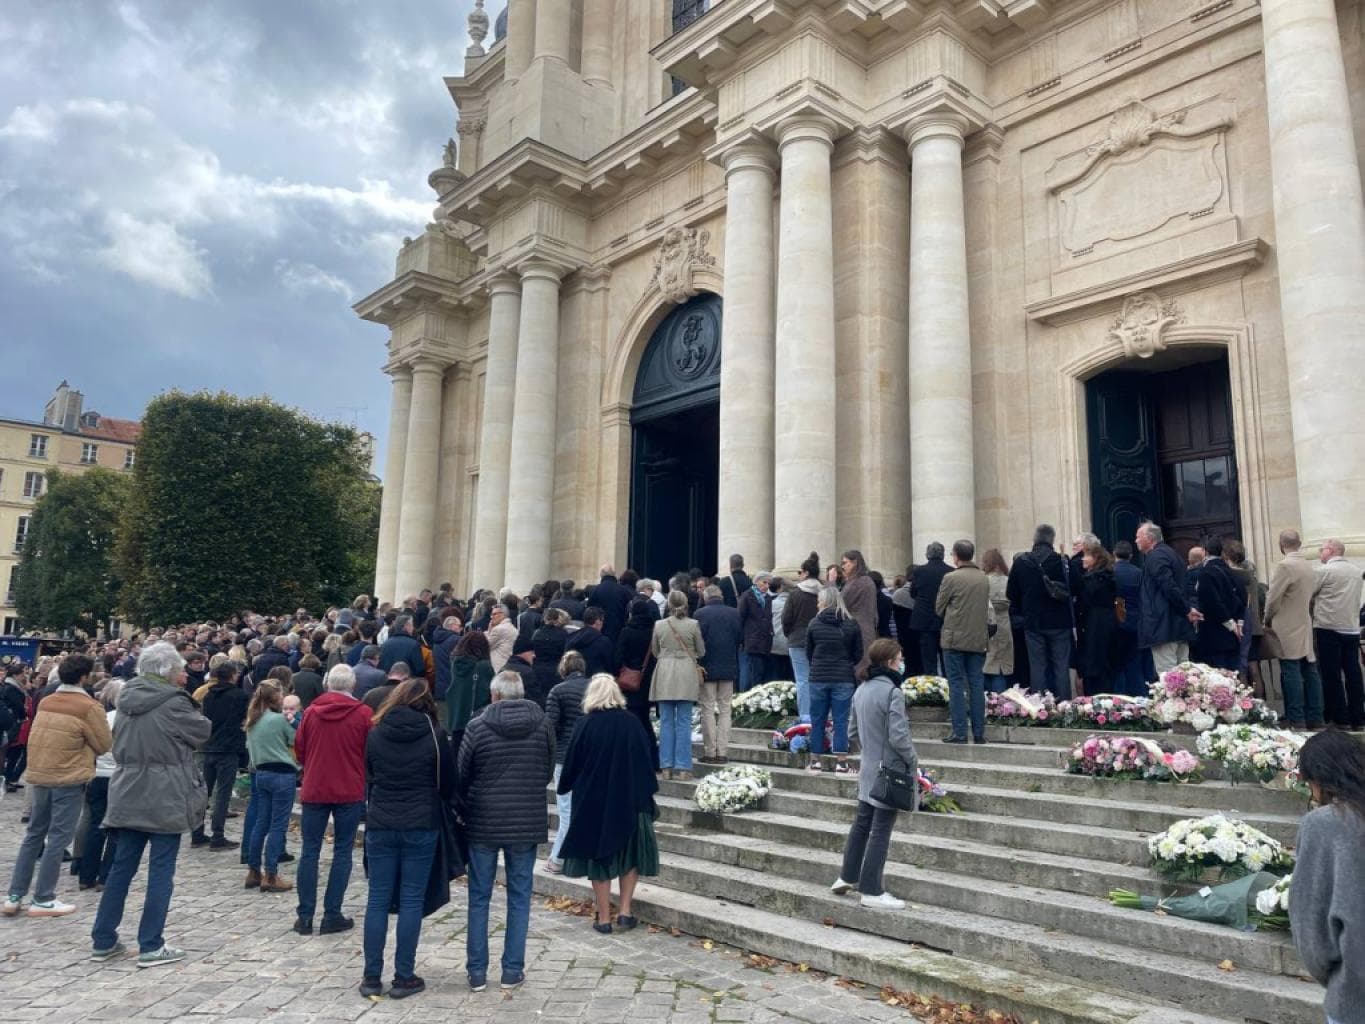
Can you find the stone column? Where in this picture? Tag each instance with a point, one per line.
(495, 433)
(521, 37)
(746, 359)
(1320, 252)
(804, 396)
(598, 16)
(553, 30)
(417, 529)
(530, 501)
(386, 558)
(942, 492)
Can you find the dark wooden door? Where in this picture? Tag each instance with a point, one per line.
(1123, 454)
(675, 494)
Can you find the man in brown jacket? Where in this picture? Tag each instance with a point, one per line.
(963, 599)
(69, 732)
(1289, 620)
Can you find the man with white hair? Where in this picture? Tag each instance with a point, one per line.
(505, 762)
(1336, 628)
(1166, 618)
(156, 795)
(330, 746)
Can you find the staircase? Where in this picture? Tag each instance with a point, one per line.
(1007, 900)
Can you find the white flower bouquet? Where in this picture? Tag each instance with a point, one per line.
(1199, 696)
(764, 707)
(925, 691)
(1272, 906)
(733, 788)
(1252, 752)
(1191, 846)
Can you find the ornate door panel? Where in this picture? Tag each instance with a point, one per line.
(1123, 454)
(1198, 465)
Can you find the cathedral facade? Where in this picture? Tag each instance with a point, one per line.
(781, 276)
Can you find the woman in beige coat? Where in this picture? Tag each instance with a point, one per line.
(677, 648)
(1000, 646)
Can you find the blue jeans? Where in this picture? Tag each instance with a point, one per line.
(160, 883)
(275, 796)
(1049, 661)
(519, 862)
(1302, 690)
(675, 734)
(564, 811)
(998, 683)
(743, 683)
(253, 807)
(966, 686)
(346, 819)
(827, 699)
(801, 670)
(400, 862)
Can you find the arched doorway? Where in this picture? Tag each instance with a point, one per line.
(675, 443)
(1162, 447)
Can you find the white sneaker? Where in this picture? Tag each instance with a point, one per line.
(883, 902)
(54, 908)
(841, 887)
(12, 905)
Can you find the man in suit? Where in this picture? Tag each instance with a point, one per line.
(1336, 628)
(1166, 616)
(1289, 620)
(1222, 606)
(1128, 581)
(925, 581)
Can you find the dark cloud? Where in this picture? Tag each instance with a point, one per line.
(192, 194)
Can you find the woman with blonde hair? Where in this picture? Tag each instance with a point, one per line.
(609, 769)
(1000, 643)
(678, 648)
(834, 648)
(270, 744)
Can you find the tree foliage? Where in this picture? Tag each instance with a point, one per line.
(67, 575)
(243, 503)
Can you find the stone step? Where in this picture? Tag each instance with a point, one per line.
(1191, 979)
(1241, 799)
(934, 747)
(873, 959)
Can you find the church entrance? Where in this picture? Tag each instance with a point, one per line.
(675, 461)
(1161, 448)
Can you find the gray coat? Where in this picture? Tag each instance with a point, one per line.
(677, 647)
(880, 724)
(157, 787)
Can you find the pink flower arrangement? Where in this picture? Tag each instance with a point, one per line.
(1201, 697)
(1130, 757)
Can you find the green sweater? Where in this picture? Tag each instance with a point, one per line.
(271, 741)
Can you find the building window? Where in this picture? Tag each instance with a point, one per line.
(21, 534)
(37, 446)
(129, 457)
(685, 12)
(89, 454)
(33, 485)
(11, 625)
(9, 590)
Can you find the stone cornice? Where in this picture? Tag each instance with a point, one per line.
(411, 293)
(527, 165)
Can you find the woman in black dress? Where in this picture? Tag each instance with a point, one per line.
(1097, 594)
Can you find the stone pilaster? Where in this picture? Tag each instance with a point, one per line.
(386, 559)
(1320, 251)
(530, 502)
(552, 30)
(804, 444)
(747, 358)
(942, 489)
(417, 522)
(597, 32)
(495, 433)
(521, 37)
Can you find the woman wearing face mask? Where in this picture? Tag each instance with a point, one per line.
(882, 726)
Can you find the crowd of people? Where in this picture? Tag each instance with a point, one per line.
(439, 722)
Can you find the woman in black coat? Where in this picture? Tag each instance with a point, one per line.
(1097, 620)
(609, 772)
(632, 651)
(548, 644)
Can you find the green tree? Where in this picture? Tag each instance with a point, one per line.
(67, 577)
(243, 503)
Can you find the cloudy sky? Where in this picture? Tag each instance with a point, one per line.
(193, 192)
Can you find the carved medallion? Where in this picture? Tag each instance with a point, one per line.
(681, 252)
(1141, 327)
(690, 348)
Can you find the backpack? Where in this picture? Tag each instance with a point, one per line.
(1056, 590)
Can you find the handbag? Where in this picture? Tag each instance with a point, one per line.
(898, 789)
(1056, 589)
(450, 857)
(701, 672)
(631, 679)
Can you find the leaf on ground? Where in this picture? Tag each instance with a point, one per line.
(654, 930)
(937, 1010)
(1227, 965)
(708, 945)
(760, 962)
(849, 983)
(675, 933)
(568, 905)
(828, 922)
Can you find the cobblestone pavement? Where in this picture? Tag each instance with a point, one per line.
(245, 965)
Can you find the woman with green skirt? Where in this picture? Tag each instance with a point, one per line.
(610, 771)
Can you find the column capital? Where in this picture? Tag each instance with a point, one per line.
(398, 371)
(429, 364)
(938, 124)
(504, 282)
(803, 127)
(542, 270)
(750, 152)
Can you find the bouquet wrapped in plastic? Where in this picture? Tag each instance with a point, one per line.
(1235, 904)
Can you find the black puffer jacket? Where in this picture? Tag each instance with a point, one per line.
(407, 772)
(506, 761)
(225, 707)
(564, 707)
(834, 646)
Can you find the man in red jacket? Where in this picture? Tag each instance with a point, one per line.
(330, 746)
